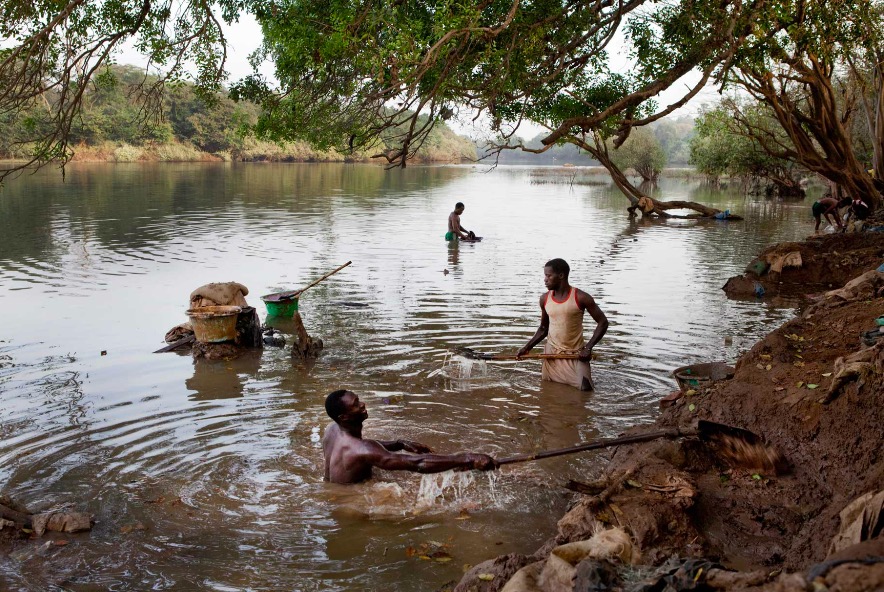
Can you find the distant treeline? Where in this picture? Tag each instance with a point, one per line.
(673, 135)
(112, 127)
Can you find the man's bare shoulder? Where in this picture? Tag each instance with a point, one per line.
(332, 431)
(585, 299)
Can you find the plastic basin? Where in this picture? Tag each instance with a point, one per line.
(697, 375)
(214, 324)
(285, 308)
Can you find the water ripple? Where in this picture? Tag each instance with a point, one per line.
(219, 462)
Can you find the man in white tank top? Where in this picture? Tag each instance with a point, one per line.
(561, 322)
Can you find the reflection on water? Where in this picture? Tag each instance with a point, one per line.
(207, 476)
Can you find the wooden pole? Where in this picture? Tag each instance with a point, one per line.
(292, 293)
(669, 433)
(331, 273)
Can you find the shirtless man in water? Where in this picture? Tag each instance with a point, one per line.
(349, 458)
(455, 230)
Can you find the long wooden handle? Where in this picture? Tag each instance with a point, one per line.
(669, 433)
(534, 357)
(329, 274)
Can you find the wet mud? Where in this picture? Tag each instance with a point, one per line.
(813, 389)
(826, 262)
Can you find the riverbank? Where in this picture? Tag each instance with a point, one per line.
(813, 389)
(457, 150)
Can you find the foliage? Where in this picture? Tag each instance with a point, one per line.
(724, 146)
(797, 65)
(642, 153)
(110, 127)
(349, 71)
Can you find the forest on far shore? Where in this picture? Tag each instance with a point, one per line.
(113, 127)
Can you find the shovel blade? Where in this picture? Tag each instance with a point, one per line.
(742, 448)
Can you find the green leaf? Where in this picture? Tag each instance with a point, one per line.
(812, 386)
(691, 407)
(485, 577)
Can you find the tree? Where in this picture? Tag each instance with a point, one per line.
(642, 153)
(55, 53)
(342, 66)
(726, 143)
(800, 74)
(350, 71)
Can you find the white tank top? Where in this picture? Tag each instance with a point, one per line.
(565, 322)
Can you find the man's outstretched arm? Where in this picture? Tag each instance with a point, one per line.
(407, 445)
(378, 456)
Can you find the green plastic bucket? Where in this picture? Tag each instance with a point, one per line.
(282, 308)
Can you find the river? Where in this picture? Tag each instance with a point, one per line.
(208, 476)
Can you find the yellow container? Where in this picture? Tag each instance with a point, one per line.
(214, 324)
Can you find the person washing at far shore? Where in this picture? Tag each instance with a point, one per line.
(349, 458)
(455, 230)
(561, 320)
(828, 206)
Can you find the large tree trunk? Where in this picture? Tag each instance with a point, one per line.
(876, 129)
(813, 121)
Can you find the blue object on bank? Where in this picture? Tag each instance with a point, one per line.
(722, 215)
(759, 290)
(881, 268)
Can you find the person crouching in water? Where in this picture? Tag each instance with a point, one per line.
(455, 230)
(561, 321)
(349, 458)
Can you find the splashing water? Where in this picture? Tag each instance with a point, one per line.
(385, 499)
(448, 487)
(456, 367)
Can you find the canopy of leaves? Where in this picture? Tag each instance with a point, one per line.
(349, 70)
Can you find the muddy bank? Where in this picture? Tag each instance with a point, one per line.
(818, 264)
(814, 389)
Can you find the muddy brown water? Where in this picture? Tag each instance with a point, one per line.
(208, 476)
